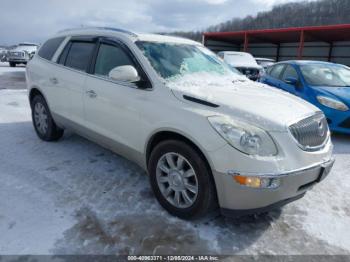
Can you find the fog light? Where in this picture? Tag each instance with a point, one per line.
(257, 182)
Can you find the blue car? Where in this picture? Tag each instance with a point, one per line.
(326, 85)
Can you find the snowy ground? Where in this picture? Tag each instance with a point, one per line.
(74, 197)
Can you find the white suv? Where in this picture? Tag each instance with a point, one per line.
(207, 136)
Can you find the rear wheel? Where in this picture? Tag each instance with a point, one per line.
(43, 122)
(181, 180)
(12, 64)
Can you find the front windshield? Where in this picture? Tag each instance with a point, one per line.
(172, 60)
(326, 75)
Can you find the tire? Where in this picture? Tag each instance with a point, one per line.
(52, 132)
(205, 199)
(12, 64)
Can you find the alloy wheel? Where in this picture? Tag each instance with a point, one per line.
(177, 180)
(41, 118)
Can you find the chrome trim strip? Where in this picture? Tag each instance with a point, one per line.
(325, 163)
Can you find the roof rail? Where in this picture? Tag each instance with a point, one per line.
(100, 28)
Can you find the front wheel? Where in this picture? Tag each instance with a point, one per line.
(181, 180)
(43, 122)
(12, 64)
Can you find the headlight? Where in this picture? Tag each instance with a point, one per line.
(332, 103)
(246, 138)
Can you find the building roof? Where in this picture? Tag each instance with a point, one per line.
(330, 33)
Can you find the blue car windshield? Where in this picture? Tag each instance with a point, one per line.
(326, 75)
(175, 59)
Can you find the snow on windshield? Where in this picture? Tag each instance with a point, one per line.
(177, 60)
(326, 75)
(190, 68)
(205, 84)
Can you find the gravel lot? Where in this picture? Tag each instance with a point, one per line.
(74, 197)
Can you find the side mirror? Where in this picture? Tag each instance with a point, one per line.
(125, 73)
(31, 55)
(291, 81)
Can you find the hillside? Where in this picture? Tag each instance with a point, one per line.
(322, 12)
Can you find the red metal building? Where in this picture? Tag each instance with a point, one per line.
(326, 43)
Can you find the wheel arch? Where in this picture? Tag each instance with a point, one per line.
(36, 91)
(163, 135)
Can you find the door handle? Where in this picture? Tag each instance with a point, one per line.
(54, 80)
(91, 94)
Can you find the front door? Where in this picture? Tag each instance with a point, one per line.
(112, 108)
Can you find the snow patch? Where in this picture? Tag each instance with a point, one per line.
(204, 84)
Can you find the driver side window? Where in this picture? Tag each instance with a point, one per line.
(109, 57)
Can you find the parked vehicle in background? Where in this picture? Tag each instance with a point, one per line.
(244, 62)
(326, 85)
(207, 137)
(3, 55)
(21, 54)
(265, 62)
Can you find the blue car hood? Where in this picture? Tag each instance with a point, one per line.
(342, 93)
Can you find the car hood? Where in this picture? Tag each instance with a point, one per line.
(343, 93)
(256, 103)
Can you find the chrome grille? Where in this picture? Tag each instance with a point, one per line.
(16, 54)
(311, 133)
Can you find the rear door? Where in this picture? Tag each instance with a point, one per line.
(273, 76)
(70, 76)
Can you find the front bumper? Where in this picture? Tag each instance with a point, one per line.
(236, 199)
(18, 60)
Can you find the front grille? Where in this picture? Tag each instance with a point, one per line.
(16, 54)
(311, 133)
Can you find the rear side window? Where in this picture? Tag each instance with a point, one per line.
(49, 48)
(276, 71)
(79, 55)
(109, 57)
